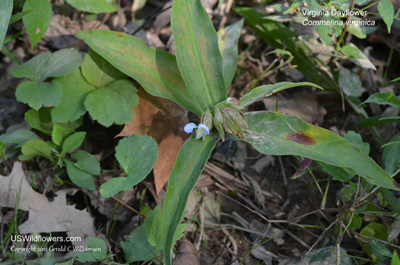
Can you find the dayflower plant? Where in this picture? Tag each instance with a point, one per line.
(197, 79)
(201, 130)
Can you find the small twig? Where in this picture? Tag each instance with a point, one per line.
(150, 19)
(129, 207)
(147, 261)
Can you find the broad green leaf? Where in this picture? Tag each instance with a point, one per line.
(74, 91)
(338, 173)
(46, 64)
(84, 257)
(112, 103)
(260, 92)
(138, 248)
(97, 243)
(395, 259)
(386, 10)
(326, 255)
(6, 7)
(378, 120)
(391, 200)
(387, 98)
(87, 162)
(37, 95)
(137, 155)
(394, 230)
(279, 36)
(197, 53)
(350, 82)
(391, 155)
(33, 148)
(374, 230)
(95, 6)
(98, 71)
(19, 137)
(152, 225)
(356, 140)
(155, 70)
(19, 16)
(228, 39)
(62, 63)
(40, 120)
(37, 21)
(188, 166)
(357, 56)
(396, 79)
(274, 133)
(79, 177)
(32, 69)
(379, 250)
(73, 142)
(69, 262)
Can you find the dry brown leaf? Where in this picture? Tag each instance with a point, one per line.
(164, 121)
(44, 216)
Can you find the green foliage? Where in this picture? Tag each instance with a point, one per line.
(98, 253)
(326, 255)
(6, 7)
(387, 98)
(94, 6)
(386, 10)
(395, 259)
(273, 133)
(33, 148)
(38, 20)
(137, 155)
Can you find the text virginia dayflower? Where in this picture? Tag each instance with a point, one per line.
(202, 129)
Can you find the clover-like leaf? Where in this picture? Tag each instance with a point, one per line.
(79, 177)
(37, 95)
(33, 148)
(112, 103)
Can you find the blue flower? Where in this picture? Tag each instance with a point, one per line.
(201, 129)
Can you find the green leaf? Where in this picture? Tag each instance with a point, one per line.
(87, 162)
(391, 155)
(350, 82)
(387, 98)
(79, 177)
(155, 70)
(33, 148)
(63, 62)
(137, 155)
(97, 243)
(378, 120)
(386, 10)
(396, 79)
(356, 140)
(394, 230)
(94, 6)
(357, 56)
(374, 230)
(98, 71)
(395, 259)
(260, 92)
(152, 225)
(84, 257)
(338, 173)
(228, 39)
(19, 16)
(57, 134)
(6, 7)
(279, 36)
(19, 137)
(33, 68)
(40, 120)
(197, 53)
(356, 29)
(74, 91)
(44, 65)
(138, 248)
(113, 103)
(379, 250)
(183, 177)
(73, 142)
(274, 133)
(37, 21)
(38, 95)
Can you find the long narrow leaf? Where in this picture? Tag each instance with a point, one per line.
(260, 92)
(197, 52)
(6, 7)
(183, 177)
(154, 69)
(274, 133)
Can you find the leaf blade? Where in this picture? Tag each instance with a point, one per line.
(37, 21)
(6, 7)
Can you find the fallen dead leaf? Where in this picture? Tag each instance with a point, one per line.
(44, 216)
(164, 121)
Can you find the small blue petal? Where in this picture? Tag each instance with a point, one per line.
(204, 127)
(189, 127)
(199, 133)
